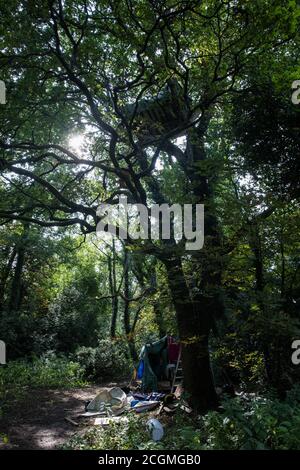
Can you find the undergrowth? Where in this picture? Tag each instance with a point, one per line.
(244, 422)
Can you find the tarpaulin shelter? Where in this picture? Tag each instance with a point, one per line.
(154, 360)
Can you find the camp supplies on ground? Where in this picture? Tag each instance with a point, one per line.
(142, 406)
(110, 400)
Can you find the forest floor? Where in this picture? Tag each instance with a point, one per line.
(38, 420)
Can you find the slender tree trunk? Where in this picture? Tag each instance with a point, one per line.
(5, 275)
(17, 287)
(282, 290)
(159, 318)
(256, 248)
(128, 329)
(113, 291)
(255, 245)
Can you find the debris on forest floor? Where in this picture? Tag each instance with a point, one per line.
(145, 405)
(178, 391)
(156, 429)
(111, 401)
(70, 420)
(186, 408)
(112, 419)
(160, 408)
(89, 414)
(104, 409)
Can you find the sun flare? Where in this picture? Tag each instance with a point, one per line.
(76, 142)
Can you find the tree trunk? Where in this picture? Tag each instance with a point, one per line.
(159, 319)
(128, 329)
(255, 245)
(266, 348)
(209, 259)
(282, 255)
(194, 324)
(5, 275)
(113, 291)
(17, 287)
(195, 313)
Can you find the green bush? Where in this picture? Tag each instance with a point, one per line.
(48, 371)
(108, 360)
(254, 422)
(246, 422)
(130, 435)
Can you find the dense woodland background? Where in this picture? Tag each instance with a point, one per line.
(74, 133)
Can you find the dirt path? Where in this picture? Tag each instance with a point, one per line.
(38, 422)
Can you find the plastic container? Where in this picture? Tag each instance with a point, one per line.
(155, 428)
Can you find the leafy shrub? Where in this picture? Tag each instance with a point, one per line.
(109, 359)
(86, 357)
(254, 422)
(130, 435)
(73, 319)
(232, 359)
(47, 371)
(245, 422)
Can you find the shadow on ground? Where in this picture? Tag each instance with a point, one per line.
(38, 422)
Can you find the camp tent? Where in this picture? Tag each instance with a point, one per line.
(154, 359)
